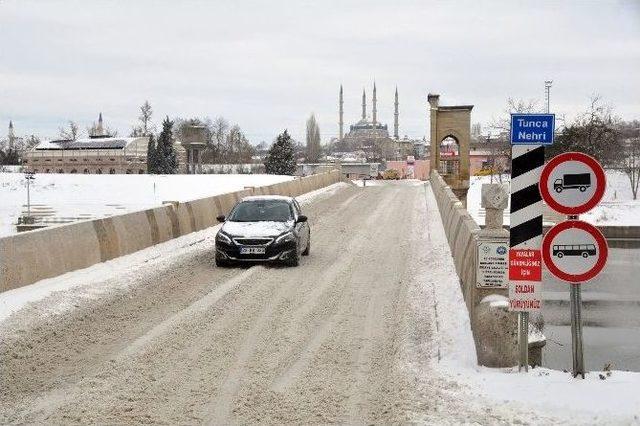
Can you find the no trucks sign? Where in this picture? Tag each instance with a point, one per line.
(572, 183)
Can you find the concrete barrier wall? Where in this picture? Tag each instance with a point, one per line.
(32, 256)
(460, 228)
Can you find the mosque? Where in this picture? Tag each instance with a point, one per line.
(371, 136)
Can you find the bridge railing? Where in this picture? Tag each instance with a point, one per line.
(494, 327)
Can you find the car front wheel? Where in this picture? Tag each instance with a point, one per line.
(308, 248)
(222, 263)
(294, 257)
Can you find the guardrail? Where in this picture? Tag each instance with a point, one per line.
(32, 256)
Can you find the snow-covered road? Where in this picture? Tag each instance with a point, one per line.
(353, 335)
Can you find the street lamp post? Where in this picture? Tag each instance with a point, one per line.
(29, 176)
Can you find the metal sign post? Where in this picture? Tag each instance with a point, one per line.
(523, 341)
(574, 251)
(576, 330)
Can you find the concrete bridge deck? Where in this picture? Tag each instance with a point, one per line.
(350, 336)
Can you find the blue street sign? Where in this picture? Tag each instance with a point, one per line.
(532, 129)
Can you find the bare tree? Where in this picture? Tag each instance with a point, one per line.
(145, 117)
(219, 129)
(145, 128)
(313, 140)
(238, 149)
(69, 133)
(594, 132)
(631, 164)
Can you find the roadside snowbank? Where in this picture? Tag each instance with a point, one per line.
(613, 400)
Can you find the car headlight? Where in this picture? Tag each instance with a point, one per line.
(284, 238)
(223, 238)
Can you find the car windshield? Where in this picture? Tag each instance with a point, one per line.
(261, 211)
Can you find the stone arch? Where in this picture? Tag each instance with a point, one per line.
(451, 133)
(449, 160)
(451, 121)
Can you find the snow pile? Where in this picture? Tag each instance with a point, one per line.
(617, 208)
(496, 301)
(79, 196)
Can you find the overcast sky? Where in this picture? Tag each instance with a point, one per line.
(267, 65)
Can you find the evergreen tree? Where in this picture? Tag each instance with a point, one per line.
(152, 166)
(165, 156)
(280, 159)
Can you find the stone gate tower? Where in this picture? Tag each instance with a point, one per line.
(451, 122)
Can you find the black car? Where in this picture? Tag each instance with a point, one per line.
(263, 229)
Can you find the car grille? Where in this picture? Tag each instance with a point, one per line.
(253, 241)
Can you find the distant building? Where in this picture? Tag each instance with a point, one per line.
(11, 137)
(12, 141)
(99, 154)
(95, 155)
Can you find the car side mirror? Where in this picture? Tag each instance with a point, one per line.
(221, 218)
(302, 218)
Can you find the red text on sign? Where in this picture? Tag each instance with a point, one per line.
(525, 265)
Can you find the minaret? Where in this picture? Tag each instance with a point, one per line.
(11, 135)
(375, 109)
(364, 105)
(341, 113)
(395, 116)
(100, 128)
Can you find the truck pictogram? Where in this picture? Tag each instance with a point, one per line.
(579, 181)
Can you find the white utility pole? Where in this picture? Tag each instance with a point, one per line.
(547, 93)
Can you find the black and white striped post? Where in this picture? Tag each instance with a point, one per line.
(525, 238)
(529, 134)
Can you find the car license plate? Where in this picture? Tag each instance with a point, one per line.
(252, 250)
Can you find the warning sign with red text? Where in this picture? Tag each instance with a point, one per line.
(525, 280)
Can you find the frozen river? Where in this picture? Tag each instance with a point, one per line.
(611, 315)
